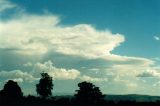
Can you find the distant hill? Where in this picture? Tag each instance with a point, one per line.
(133, 97)
(129, 97)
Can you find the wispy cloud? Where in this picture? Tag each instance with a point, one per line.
(17, 75)
(157, 38)
(92, 79)
(156, 58)
(6, 4)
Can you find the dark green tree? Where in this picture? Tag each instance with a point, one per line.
(88, 93)
(45, 85)
(11, 89)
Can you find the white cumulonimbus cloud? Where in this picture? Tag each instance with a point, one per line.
(38, 34)
(31, 35)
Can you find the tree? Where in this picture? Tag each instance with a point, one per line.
(88, 93)
(45, 86)
(11, 89)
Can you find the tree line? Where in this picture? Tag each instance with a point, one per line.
(87, 92)
(87, 95)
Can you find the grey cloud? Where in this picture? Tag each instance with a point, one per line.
(153, 73)
(146, 74)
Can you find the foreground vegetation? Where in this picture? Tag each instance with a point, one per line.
(87, 95)
(65, 101)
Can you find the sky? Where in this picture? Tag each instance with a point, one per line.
(112, 43)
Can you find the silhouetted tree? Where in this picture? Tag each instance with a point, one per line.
(88, 93)
(11, 89)
(45, 86)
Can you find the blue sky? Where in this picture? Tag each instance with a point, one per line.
(112, 43)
